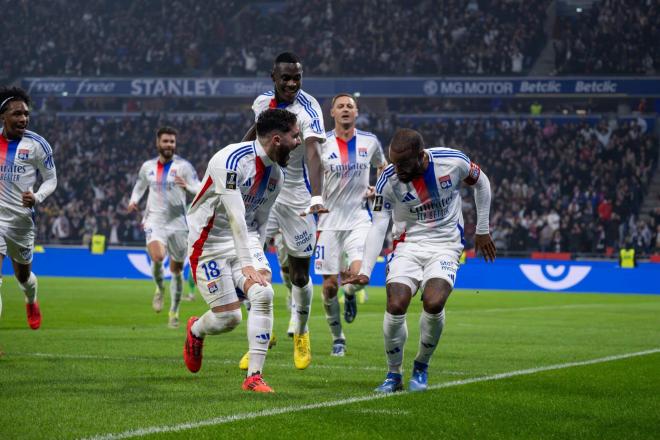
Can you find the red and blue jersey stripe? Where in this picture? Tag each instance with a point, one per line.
(426, 185)
(274, 104)
(347, 150)
(161, 174)
(8, 150)
(261, 178)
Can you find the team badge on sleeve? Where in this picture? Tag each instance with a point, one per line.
(231, 180)
(272, 183)
(378, 203)
(473, 174)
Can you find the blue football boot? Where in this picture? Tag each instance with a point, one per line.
(419, 380)
(393, 383)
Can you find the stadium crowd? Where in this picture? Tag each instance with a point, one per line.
(612, 37)
(574, 189)
(230, 38)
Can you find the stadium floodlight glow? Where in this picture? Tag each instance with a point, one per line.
(578, 10)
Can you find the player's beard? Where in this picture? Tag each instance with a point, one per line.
(166, 153)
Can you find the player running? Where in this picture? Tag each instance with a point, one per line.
(23, 155)
(347, 156)
(228, 219)
(298, 231)
(167, 177)
(420, 191)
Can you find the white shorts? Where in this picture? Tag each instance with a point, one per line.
(414, 264)
(298, 232)
(218, 272)
(332, 246)
(175, 241)
(18, 244)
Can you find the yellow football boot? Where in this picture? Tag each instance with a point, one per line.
(302, 351)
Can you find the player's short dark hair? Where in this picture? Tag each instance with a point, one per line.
(339, 95)
(406, 138)
(287, 57)
(166, 130)
(9, 94)
(275, 119)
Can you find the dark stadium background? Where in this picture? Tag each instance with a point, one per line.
(571, 171)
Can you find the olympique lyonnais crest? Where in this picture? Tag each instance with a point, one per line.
(445, 182)
(213, 287)
(173, 173)
(272, 183)
(362, 152)
(23, 154)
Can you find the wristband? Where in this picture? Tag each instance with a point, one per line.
(316, 200)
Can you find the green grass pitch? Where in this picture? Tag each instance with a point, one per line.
(104, 365)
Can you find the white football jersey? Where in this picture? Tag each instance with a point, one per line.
(21, 160)
(346, 168)
(296, 190)
(166, 202)
(428, 208)
(243, 169)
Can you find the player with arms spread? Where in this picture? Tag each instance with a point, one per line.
(298, 231)
(420, 192)
(23, 155)
(228, 219)
(167, 177)
(347, 155)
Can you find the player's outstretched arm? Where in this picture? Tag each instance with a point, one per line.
(233, 203)
(46, 167)
(483, 241)
(315, 167)
(372, 247)
(138, 190)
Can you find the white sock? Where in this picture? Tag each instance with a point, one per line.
(302, 297)
(212, 323)
(331, 306)
(430, 329)
(157, 272)
(29, 288)
(176, 289)
(395, 332)
(349, 290)
(259, 326)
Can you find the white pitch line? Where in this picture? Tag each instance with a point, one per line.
(206, 361)
(293, 409)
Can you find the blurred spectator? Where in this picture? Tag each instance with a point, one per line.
(612, 37)
(340, 37)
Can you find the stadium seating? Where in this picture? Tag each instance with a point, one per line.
(578, 189)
